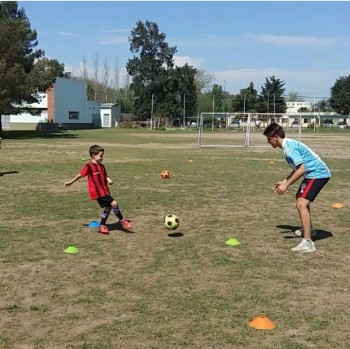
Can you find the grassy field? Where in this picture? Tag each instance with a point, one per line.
(153, 289)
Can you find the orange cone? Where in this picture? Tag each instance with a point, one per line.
(338, 205)
(262, 323)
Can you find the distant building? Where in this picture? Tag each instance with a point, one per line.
(294, 107)
(64, 105)
(110, 114)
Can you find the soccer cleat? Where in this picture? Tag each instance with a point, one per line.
(103, 229)
(305, 246)
(126, 224)
(300, 232)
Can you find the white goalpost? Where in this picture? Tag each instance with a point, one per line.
(237, 129)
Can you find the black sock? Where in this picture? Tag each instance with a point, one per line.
(104, 217)
(117, 212)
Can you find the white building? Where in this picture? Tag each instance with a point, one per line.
(110, 114)
(64, 105)
(294, 107)
(68, 105)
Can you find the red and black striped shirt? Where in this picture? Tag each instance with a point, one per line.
(97, 180)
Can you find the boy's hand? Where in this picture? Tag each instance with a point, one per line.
(280, 187)
(67, 184)
(110, 182)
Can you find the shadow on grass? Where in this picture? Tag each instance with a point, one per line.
(112, 227)
(321, 234)
(8, 172)
(175, 235)
(118, 226)
(27, 134)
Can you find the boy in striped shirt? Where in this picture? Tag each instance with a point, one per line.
(305, 163)
(98, 188)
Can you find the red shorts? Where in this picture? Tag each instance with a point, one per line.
(310, 187)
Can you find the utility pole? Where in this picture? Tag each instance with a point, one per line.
(151, 112)
(184, 121)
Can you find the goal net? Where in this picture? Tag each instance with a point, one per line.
(239, 129)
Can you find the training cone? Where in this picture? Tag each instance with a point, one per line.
(71, 249)
(272, 162)
(190, 160)
(93, 224)
(262, 323)
(338, 205)
(232, 242)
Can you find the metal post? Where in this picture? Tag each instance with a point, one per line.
(184, 121)
(152, 112)
(314, 112)
(212, 121)
(268, 102)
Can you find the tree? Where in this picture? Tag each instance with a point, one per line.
(105, 78)
(95, 79)
(203, 79)
(340, 95)
(186, 86)
(18, 54)
(217, 96)
(246, 100)
(45, 71)
(157, 84)
(323, 106)
(294, 97)
(271, 98)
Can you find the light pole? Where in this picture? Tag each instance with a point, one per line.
(314, 112)
(184, 117)
(268, 102)
(151, 112)
(212, 121)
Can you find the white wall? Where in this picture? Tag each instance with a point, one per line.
(110, 114)
(28, 118)
(71, 96)
(293, 107)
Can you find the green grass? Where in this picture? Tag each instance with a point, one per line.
(148, 289)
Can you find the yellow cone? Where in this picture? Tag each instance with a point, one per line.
(262, 323)
(272, 162)
(190, 160)
(338, 205)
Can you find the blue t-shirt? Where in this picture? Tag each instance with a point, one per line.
(297, 153)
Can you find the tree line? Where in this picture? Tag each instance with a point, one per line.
(153, 85)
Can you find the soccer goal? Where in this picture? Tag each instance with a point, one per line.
(236, 129)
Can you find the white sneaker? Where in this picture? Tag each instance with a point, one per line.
(300, 232)
(305, 246)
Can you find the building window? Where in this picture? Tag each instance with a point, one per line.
(73, 115)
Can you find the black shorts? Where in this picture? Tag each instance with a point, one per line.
(310, 187)
(105, 201)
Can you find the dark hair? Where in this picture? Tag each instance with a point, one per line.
(95, 149)
(274, 130)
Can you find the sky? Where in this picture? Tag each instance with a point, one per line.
(304, 44)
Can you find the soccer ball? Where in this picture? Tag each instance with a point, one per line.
(165, 174)
(171, 222)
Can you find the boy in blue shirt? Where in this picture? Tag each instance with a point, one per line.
(304, 162)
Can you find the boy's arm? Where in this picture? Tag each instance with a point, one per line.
(281, 187)
(78, 176)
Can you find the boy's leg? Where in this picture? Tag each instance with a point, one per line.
(105, 215)
(124, 222)
(303, 207)
(116, 210)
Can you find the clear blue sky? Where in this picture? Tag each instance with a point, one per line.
(305, 44)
